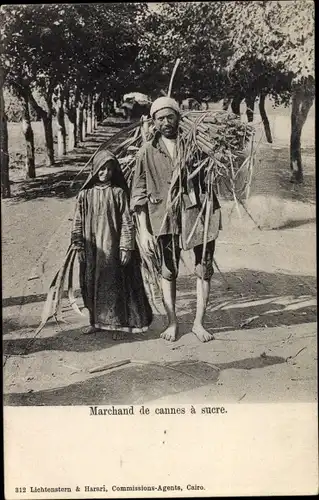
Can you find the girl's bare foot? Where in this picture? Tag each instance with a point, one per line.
(202, 334)
(170, 333)
(89, 330)
(119, 336)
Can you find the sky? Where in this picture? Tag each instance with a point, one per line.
(154, 5)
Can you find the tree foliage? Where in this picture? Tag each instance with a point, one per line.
(278, 32)
(74, 54)
(87, 45)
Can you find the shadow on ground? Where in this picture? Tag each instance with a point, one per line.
(137, 384)
(241, 299)
(276, 174)
(296, 223)
(30, 299)
(58, 183)
(253, 299)
(62, 184)
(68, 340)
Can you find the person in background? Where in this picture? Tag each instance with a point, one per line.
(155, 181)
(110, 276)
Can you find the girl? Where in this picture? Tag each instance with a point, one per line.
(110, 276)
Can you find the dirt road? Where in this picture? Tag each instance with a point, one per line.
(262, 306)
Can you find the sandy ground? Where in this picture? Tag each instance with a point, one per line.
(262, 307)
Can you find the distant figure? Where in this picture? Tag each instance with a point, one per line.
(127, 110)
(110, 277)
(134, 110)
(190, 104)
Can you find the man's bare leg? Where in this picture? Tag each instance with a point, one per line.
(169, 299)
(202, 289)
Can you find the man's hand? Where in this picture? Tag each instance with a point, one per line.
(125, 256)
(144, 236)
(146, 241)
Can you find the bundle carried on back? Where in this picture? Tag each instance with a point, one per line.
(217, 143)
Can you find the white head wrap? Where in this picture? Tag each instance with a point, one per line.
(162, 103)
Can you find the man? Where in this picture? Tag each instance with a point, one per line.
(155, 184)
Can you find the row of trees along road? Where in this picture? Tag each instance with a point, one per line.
(76, 56)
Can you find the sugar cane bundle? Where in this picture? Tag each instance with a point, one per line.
(216, 143)
(219, 148)
(219, 136)
(53, 304)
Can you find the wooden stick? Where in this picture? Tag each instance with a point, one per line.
(172, 78)
(109, 366)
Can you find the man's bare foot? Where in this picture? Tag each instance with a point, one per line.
(202, 334)
(118, 335)
(170, 333)
(89, 330)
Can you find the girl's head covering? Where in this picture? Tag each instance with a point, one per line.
(100, 159)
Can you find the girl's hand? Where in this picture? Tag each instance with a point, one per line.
(125, 256)
(81, 255)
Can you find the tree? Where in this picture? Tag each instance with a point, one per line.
(4, 154)
(8, 39)
(191, 32)
(238, 50)
(281, 35)
(58, 100)
(28, 54)
(66, 54)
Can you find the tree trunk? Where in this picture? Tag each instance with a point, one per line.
(264, 117)
(235, 104)
(4, 153)
(302, 100)
(250, 107)
(79, 122)
(61, 130)
(70, 109)
(29, 138)
(48, 134)
(226, 103)
(100, 110)
(84, 123)
(89, 114)
(95, 111)
(72, 138)
(103, 112)
(106, 108)
(46, 117)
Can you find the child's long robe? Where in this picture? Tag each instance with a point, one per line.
(114, 294)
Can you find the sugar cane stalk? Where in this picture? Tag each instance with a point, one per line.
(172, 78)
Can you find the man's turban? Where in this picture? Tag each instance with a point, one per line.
(162, 103)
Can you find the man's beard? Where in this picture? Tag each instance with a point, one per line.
(170, 133)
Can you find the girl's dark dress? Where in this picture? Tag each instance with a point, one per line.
(114, 294)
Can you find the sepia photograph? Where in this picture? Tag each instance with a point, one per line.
(158, 205)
